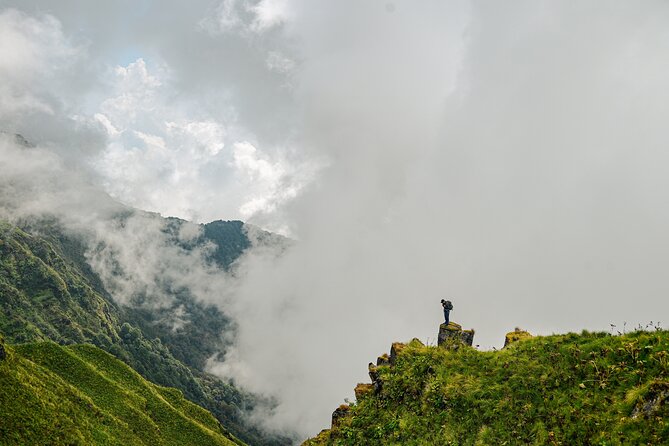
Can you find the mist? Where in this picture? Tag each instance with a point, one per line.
(510, 158)
(507, 159)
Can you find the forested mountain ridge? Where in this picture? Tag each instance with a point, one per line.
(48, 291)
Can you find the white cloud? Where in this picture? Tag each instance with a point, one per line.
(32, 50)
(134, 95)
(248, 160)
(204, 138)
(136, 75)
(31, 46)
(160, 158)
(247, 17)
(227, 17)
(271, 181)
(269, 13)
(106, 123)
(278, 62)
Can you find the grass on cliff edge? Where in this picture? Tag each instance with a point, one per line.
(587, 389)
(80, 395)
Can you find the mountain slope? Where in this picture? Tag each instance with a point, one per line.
(79, 394)
(49, 292)
(557, 390)
(44, 297)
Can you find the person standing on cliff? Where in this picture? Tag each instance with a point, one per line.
(448, 306)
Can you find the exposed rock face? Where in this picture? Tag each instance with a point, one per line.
(653, 401)
(383, 360)
(453, 335)
(374, 376)
(515, 336)
(395, 349)
(339, 413)
(373, 371)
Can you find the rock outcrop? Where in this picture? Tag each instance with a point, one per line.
(363, 389)
(515, 336)
(650, 404)
(452, 335)
(339, 413)
(383, 360)
(374, 376)
(395, 349)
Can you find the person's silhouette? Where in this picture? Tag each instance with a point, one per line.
(448, 306)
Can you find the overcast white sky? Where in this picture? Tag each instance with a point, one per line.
(512, 157)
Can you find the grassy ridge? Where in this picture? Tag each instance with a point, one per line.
(82, 395)
(569, 389)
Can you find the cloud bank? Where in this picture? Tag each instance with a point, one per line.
(508, 157)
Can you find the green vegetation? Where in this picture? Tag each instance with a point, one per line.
(572, 389)
(49, 292)
(80, 395)
(229, 245)
(43, 297)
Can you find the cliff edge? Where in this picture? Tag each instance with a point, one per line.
(588, 388)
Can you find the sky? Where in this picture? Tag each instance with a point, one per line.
(509, 157)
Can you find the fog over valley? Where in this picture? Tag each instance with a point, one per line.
(508, 157)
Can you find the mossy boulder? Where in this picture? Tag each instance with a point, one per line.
(374, 376)
(654, 402)
(383, 360)
(395, 350)
(339, 413)
(322, 438)
(515, 336)
(363, 389)
(452, 335)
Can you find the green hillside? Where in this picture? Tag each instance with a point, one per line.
(49, 292)
(587, 389)
(80, 395)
